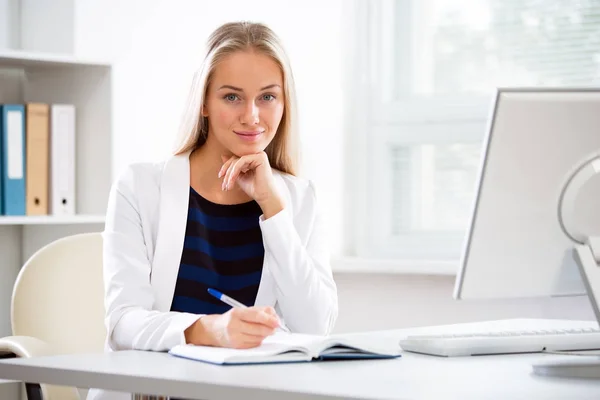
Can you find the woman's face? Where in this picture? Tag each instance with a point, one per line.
(244, 102)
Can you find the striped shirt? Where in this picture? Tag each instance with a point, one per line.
(223, 250)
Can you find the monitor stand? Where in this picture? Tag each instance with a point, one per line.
(585, 366)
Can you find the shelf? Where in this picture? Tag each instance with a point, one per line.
(87, 84)
(21, 59)
(51, 220)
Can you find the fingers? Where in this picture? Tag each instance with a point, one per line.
(250, 326)
(240, 327)
(256, 330)
(247, 342)
(242, 340)
(232, 173)
(270, 310)
(260, 315)
(233, 167)
(226, 163)
(226, 171)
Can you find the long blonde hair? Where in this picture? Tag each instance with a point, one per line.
(225, 40)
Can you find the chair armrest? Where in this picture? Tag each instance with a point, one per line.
(25, 346)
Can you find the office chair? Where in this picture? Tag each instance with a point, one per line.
(58, 307)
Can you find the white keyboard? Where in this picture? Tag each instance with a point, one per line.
(532, 341)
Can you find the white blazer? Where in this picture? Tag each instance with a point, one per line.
(143, 242)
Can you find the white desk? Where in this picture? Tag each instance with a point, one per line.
(412, 376)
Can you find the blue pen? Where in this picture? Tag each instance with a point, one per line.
(234, 303)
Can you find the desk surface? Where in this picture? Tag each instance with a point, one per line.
(411, 376)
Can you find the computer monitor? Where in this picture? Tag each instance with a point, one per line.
(515, 244)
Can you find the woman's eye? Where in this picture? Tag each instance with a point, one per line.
(268, 97)
(231, 97)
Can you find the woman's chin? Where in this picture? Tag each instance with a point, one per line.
(246, 150)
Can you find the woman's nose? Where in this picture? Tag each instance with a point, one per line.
(250, 115)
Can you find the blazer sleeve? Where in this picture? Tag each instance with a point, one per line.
(306, 290)
(130, 319)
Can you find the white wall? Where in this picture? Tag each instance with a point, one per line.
(157, 44)
(399, 301)
(9, 35)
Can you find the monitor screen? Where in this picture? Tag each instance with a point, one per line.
(515, 245)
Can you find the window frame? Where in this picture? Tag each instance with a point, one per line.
(375, 123)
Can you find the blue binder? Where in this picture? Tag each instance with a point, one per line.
(12, 174)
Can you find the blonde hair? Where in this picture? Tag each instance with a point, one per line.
(225, 40)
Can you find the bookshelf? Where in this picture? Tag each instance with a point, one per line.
(27, 76)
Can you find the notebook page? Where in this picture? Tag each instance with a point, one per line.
(295, 340)
(364, 343)
(221, 355)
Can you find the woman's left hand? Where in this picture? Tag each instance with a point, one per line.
(253, 175)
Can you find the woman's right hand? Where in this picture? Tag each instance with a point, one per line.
(240, 328)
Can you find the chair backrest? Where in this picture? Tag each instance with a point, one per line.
(58, 296)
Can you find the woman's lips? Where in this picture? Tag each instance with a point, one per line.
(249, 136)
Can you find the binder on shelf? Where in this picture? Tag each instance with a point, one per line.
(13, 159)
(62, 159)
(37, 117)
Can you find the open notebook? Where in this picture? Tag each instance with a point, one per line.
(292, 347)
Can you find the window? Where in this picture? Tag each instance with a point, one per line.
(424, 76)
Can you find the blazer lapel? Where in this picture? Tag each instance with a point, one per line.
(173, 211)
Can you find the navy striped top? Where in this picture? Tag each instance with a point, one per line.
(223, 250)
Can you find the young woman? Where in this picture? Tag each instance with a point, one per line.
(225, 212)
